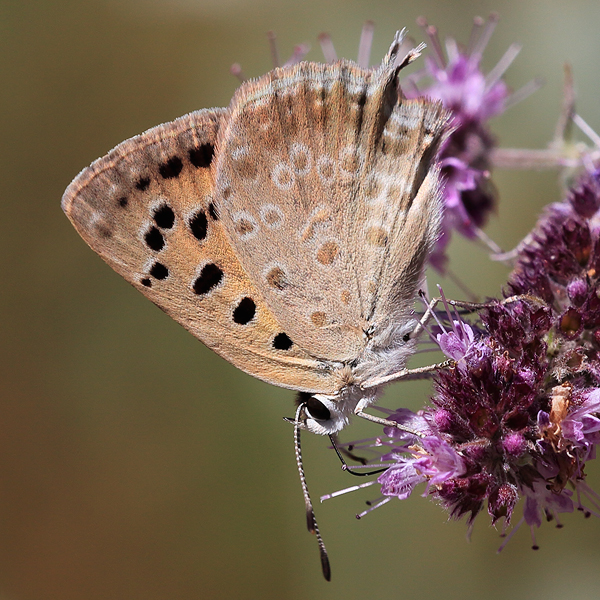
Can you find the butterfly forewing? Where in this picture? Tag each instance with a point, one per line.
(148, 209)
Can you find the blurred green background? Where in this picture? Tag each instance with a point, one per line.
(134, 462)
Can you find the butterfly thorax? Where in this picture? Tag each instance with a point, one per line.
(386, 353)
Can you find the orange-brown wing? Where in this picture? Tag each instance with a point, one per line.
(147, 209)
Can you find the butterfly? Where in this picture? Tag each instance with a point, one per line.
(288, 232)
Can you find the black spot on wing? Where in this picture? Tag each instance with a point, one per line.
(159, 271)
(202, 156)
(282, 342)
(164, 216)
(209, 278)
(199, 225)
(142, 183)
(171, 169)
(154, 239)
(244, 312)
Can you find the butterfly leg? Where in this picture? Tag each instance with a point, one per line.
(385, 422)
(431, 305)
(469, 306)
(426, 315)
(405, 374)
(359, 412)
(346, 450)
(408, 374)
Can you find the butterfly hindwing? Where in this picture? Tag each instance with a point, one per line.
(325, 180)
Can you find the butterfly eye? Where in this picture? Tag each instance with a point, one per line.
(317, 409)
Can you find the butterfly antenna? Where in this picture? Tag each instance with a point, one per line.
(311, 521)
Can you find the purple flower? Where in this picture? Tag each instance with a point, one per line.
(501, 426)
(455, 344)
(540, 501)
(439, 461)
(401, 479)
(559, 262)
(431, 459)
(473, 97)
(581, 426)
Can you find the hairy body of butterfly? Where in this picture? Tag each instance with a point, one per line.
(288, 232)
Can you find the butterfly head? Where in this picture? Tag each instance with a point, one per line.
(325, 414)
